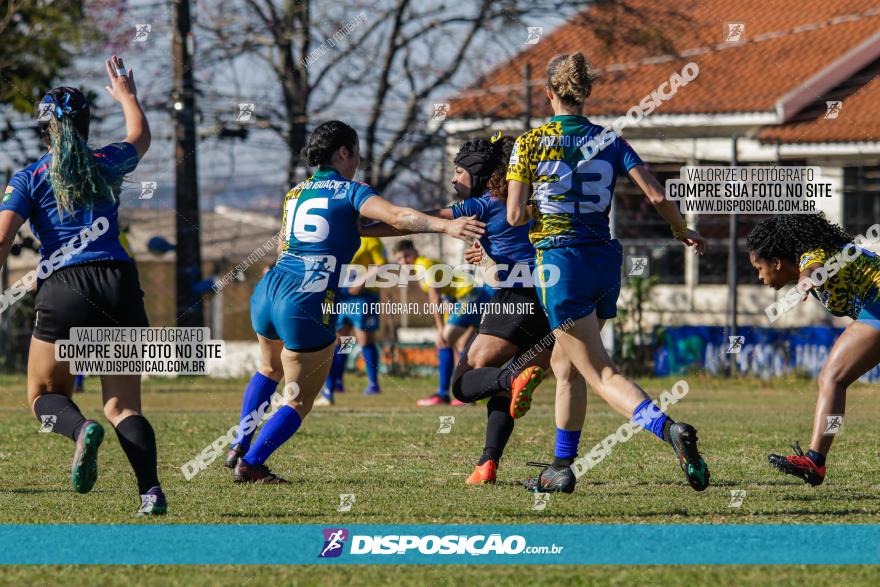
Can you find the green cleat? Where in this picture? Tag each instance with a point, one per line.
(84, 471)
(683, 438)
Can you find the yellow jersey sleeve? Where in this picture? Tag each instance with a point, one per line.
(123, 240)
(519, 167)
(812, 257)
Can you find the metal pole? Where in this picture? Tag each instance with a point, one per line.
(731, 266)
(527, 96)
(186, 188)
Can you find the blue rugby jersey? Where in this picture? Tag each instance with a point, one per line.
(572, 179)
(505, 244)
(30, 195)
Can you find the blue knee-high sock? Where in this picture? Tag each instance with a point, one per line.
(337, 370)
(259, 389)
(567, 443)
(371, 359)
(78, 381)
(446, 359)
(648, 416)
(276, 431)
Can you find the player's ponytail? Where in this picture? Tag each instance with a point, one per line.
(74, 175)
(326, 139)
(570, 78)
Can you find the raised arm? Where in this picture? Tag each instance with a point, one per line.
(668, 209)
(379, 229)
(404, 219)
(123, 90)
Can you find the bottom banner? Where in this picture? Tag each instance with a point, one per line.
(440, 544)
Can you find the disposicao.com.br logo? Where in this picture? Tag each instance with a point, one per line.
(477, 545)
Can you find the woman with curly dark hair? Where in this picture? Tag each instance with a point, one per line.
(824, 260)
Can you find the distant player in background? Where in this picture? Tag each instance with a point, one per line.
(453, 331)
(362, 318)
(566, 190)
(68, 190)
(321, 223)
(792, 248)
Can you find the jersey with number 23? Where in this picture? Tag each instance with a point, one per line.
(572, 180)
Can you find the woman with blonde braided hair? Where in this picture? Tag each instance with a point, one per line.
(564, 188)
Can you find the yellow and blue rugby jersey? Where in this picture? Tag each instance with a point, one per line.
(457, 287)
(856, 285)
(571, 193)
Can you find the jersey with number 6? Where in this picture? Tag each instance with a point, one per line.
(572, 180)
(321, 219)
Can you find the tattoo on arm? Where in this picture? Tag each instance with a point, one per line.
(410, 221)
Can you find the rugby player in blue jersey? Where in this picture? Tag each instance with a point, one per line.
(514, 321)
(86, 279)
(321, 223)
(562, 181)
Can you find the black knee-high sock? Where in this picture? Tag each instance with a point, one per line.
(139, 443)
(481, 383)
(60, 414)
(499, 426)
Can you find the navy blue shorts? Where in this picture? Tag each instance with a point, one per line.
(870, 314)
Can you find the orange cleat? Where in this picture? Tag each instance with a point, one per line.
(522, 389)
(484, 473)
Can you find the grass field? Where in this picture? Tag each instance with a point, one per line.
(388, 453)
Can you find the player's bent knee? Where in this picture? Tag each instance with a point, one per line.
(273, 373)
(832, 378)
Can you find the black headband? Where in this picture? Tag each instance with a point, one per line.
(480, 166)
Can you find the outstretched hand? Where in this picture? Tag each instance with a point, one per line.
(121, 82)
(466, 228)
(694, 239)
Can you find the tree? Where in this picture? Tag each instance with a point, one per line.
(37, 41)
(383, 60)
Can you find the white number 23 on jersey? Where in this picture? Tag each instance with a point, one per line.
(599, 187)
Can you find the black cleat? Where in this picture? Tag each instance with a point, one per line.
(683, 438)
(153, 503)
(232, 456)
(246, 473)
(551, 480)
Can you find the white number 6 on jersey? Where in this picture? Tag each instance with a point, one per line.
(307, 228)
